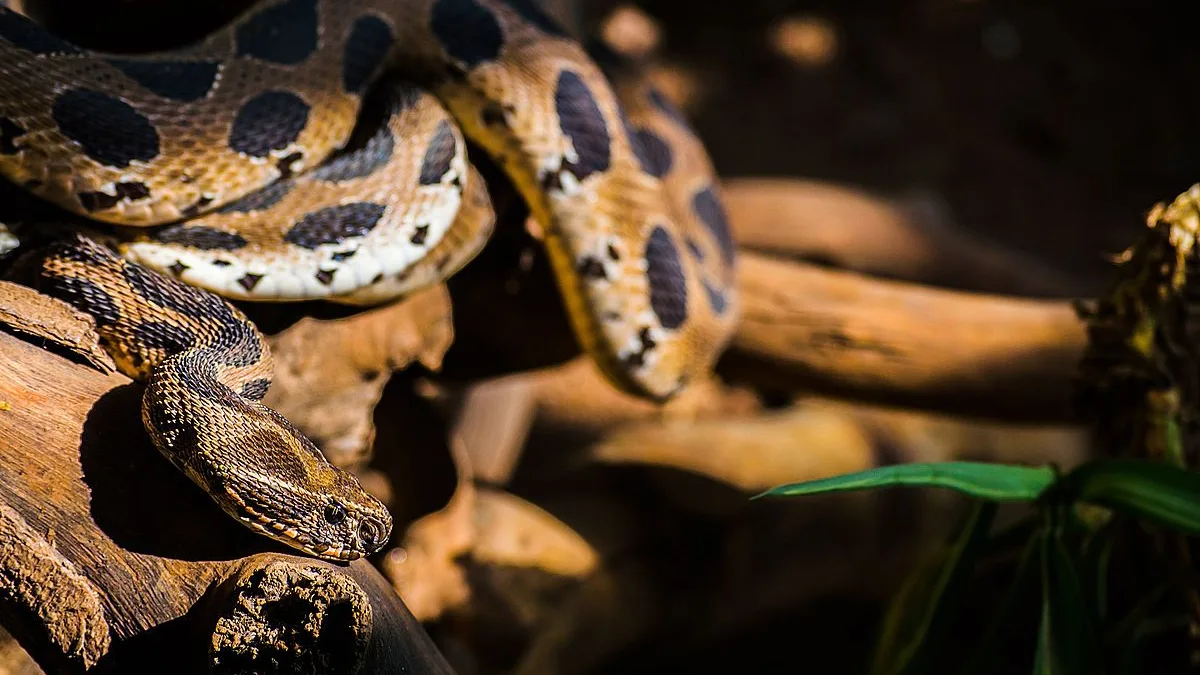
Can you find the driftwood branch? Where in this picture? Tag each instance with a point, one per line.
(910, 239)
(854, 336)
(809, 329)
(839, 333)
(112, 561)
(330, 373)
(109, 557)
(575, 568)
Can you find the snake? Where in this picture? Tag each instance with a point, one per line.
(318, 150)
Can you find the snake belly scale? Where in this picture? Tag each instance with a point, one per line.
(314, 149)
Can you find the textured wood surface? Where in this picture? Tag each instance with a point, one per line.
(843, 334)
(909, 238)
(111, 559)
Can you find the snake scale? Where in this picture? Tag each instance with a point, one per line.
(316, 149)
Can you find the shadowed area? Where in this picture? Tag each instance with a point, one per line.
(142, 501)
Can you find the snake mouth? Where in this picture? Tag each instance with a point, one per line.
(345, 555)
(293, 538)
(329, 552)
(288, 534)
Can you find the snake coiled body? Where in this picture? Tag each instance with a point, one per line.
(284, 158)
(206, 367)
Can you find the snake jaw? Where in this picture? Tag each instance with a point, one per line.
(292, 537)
(345, 555)
(289, 533)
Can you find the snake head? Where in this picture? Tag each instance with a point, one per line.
(332, 517)
(349, 523)
(287, 490)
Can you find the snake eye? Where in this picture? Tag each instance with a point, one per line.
(335, 514)
(369, 533)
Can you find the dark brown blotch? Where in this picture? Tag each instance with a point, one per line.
(591, 267)
(287, 164)
(201, 237)
(255, 390)
(195, 209)
(83, 294)
(335, 224)
(420, 234)
(108, 129)
(581, 121)
(239, 344)
(260, 199)
(668, 286)
(468, 32)
(174, 295)
(708, 207)
(169, 337)
(716, 298)
(249, 280)
(270, 121)
(99, 201)
(439, 155)
(646, 345)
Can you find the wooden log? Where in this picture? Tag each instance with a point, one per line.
(13, 659)
(908, 239)
(330, 373)
(807, 329)
(842, 334)
(112, 561)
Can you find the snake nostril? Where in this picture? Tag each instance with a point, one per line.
(369, 533)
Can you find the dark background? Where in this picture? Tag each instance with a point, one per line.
(1049, 126)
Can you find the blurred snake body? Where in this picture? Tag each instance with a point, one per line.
(283, 158)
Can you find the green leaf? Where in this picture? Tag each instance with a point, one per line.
(930, 600)
(1096, 557)
(1015, 535)
(1042, 664)
(996, 482)
(1155, 491)
(1043, 661)
(1130, 657)
(1023, 585)
(1072, 647)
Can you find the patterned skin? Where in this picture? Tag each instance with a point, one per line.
(206, 367)
(282, 159)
